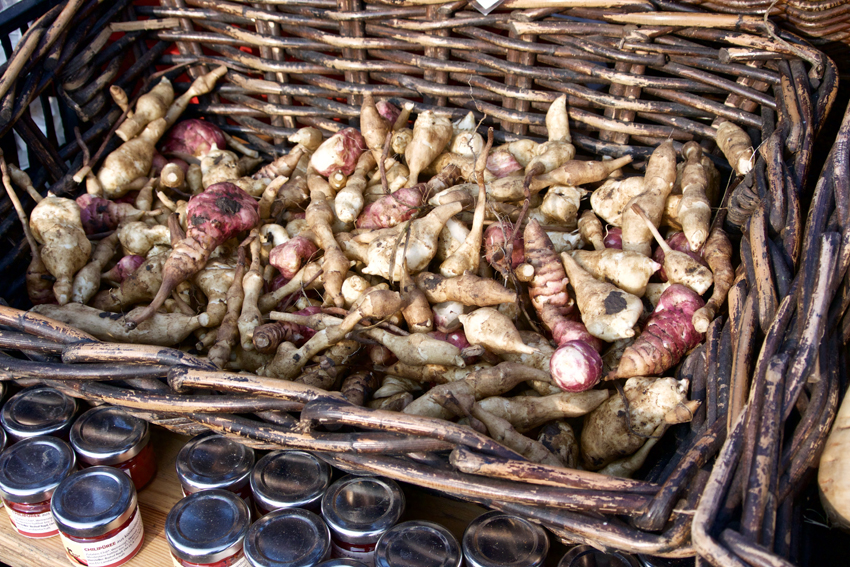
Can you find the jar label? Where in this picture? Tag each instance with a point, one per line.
(109, 552)
(33, 525)
(362, 554)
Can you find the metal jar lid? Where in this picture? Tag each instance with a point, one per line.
(417, 544)
(290, 537)
(361, 508)
(30, 470)
(289, 479)
(208, 526)
(587, 556)
(3, 439)
(108, 436)
(341, 563)
(37, 411)
(495, 539)
(93, 501)
(210, 460)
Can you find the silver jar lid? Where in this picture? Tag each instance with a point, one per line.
(93, 501)
(417, 544)
(361, 508)
(108, 436)
(587, 556)
(37, 411)
(341, 563)
(290, 537)
(210, 460)
(208, 526)
(30, 470)
(3, 439)
(289, 479)
(495, 539)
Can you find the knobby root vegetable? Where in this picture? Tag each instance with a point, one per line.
(55, 223)
(418, 349)
(575, 366)
(320, 217)
(527, 412)
(558, 436)
(339, 153)
(431, 134)
(150, 106)
(119, 96)
(718, 254)
(282, 166)
(559, 149)
(122, 269)
(387, 251)
(694, 209)
(200, 86)
(630, 271)
(291, 255)
(736, 145)
(214, 281)
(349, 202)
(392, 385)
(614, 238)
(137, 238)
(465, 140)
(214, 216)
(467, 289)
(495, 246)
(267, 338)
(560, 206)
(677, 241)
(87, 280)
(22, 180)
(417, 314)
(219, 166)
(252, 288)
(392, 209)
(130, 161)
(482, 383)
(446, 315)
(591, 230)
(679, 267)
(330, 365)
(102, 215)
(450, 239)
(467, 257)
(654, 291)
(374, 128)
(610, 199)
(173, 177)
(548, 285)
(611, 432)
(291, 194)
(397, 402)
(140, 286)
(608, 312)
(163, 329)
(627, 466)
(658, 183)
(501, 163)
(225, 336)
(487, 327)
(577, 173)
(668, 335)
(308, 277)
(357, 388)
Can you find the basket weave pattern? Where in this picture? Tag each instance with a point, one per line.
(632, 84)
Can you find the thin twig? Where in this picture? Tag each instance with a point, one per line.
(385, 186)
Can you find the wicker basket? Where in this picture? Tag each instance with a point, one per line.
(769, 372)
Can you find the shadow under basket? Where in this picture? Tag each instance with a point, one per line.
(768, 375)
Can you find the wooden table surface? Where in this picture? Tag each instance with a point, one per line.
(157, 498)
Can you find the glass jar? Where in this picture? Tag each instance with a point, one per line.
(210, 460)
(38, 411)
(418, 544)
(30, 471)
(358, 510)
(341, 563)
(111, 436)
(208, 529)
(97, 512)
(3, 439)
(289, 479)
(587, 556)
(289, 537)
(496, 539)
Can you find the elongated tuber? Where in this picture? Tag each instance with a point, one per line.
(431, 134)
(591, 230)
(214, 216)
(252, 288)
(87, 280)
(467, 289)
(668, 335)
(608, 312)
(150, 106)
(130, 161)
(339, 153)
(658, 183)
(527, 412)
(55, 223)
(492, 330)
(736, 146)
(694, 209)
(630, 271)
(575, 366)
(610, 199)
(718, 254)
